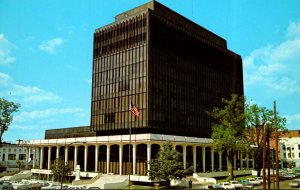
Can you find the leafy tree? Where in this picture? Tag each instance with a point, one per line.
(60, 169)
(21, 165)
(6, 117)
(228, 127)
(256, 118)
(168, 165)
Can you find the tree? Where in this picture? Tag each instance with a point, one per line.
(256, 118)
(60, 169)
(228, 127)
(168, 165)
(6, 117)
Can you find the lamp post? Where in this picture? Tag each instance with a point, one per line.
(64, 162)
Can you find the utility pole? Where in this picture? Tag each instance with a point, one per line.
(264, 156)
(276, 146)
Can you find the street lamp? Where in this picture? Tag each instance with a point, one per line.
(64, 162)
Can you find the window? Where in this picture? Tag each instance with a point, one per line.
(109, 118)
(299, 147)
(123, 85)
(22, 156)
(11, 156)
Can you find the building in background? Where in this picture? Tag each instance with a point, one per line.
(290, 149)
(14, 157)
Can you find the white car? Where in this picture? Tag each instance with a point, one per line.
(226, 185)
(52, 186)
(259, 179)
(236, 184)
(253, 181)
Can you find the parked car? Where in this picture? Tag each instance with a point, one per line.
(260, 179)
(217, 186)
(52, 186)
(253, 181)
(236, 184)
(295, 183)
(248, 187)
(245, 183)
(226, 185)
(5, 185)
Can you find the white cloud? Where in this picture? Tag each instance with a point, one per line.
(276, 68)
(5, 51)
(4, 79)
(51, 45)
(34, 95)
(293, 30)
(41, 114)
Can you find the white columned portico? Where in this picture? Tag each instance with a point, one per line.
(120, 158)
(148, 156)
(85, 157)
(41, 157)
(96, 157)
(184, 156)
(49, 157)
(194, 158)
(107, 158)
(75, 156)
(212, 156)
(203, 158)
(134, 159)
(220, 160)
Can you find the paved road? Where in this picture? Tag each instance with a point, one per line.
(282, 185)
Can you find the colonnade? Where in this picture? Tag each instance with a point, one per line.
(114, 158)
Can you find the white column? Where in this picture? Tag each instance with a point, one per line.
(134, 159)
(212, 157)
(49, 157)
(107, 158)
(75, 156)
(34, 157)
(194, 158)
(203, 158)
(85, 157)
(148, 155)
(220, 160)
(41, 157)
(184, 156)
(66, 154)
(57, 152)
(120, 158)
(96, 157)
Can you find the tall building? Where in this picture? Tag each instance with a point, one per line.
(172, 69)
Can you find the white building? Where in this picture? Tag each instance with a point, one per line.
(17, 156)
(290, 150)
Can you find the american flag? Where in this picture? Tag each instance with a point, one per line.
(134, 110)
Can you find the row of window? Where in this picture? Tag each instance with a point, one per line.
(291, 155)
(13, 157)
(290, 148)
(119, 104)
(121, 58)
(120, 36)
(13, 150)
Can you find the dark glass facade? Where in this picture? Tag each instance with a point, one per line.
(172, 69)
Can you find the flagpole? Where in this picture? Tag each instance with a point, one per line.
(129, 154)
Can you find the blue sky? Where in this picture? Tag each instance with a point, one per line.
(46, 54)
